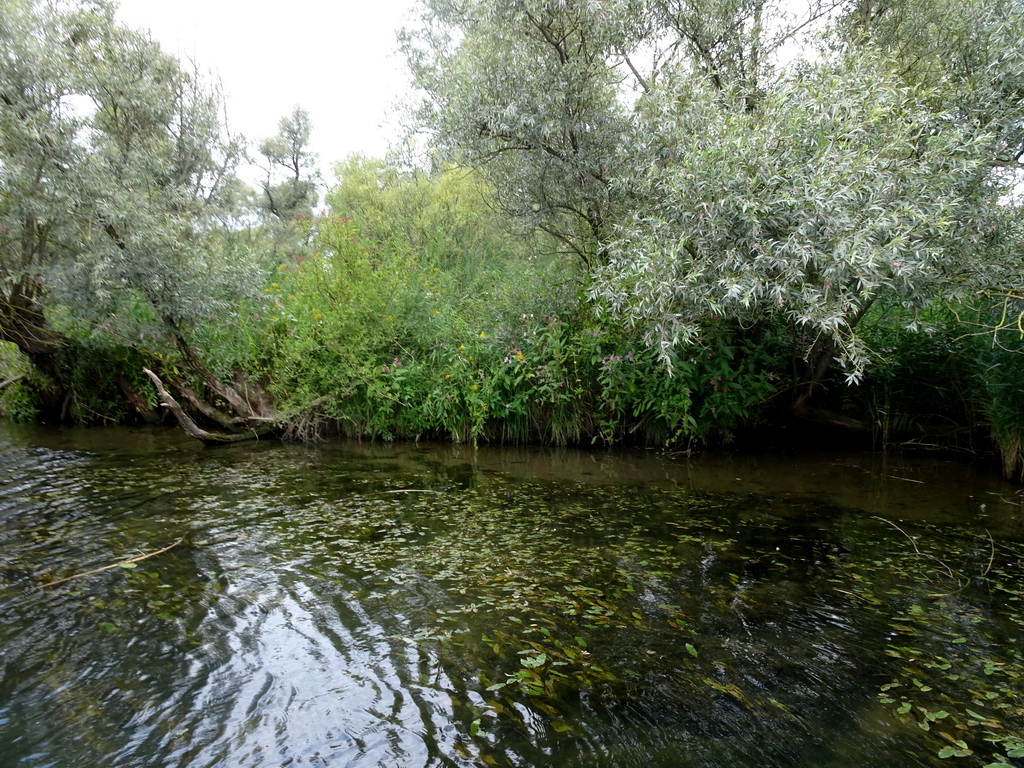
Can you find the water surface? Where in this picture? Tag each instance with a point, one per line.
(414, 605)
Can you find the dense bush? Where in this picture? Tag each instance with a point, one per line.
(16, 402)
(373, 339)
(1000, 380)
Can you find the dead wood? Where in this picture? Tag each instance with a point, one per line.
(194, 430)
(108, 567)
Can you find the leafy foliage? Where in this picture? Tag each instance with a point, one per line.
(115, 169)
(289, 189)
(15, 395)
(1000, 375)
(702, 169)
(839, 189)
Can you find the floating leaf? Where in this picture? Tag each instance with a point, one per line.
(954, 752)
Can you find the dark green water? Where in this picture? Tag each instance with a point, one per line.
(350, 605)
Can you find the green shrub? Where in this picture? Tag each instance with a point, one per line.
(1000, 385)
(17, 401)
(920, 385)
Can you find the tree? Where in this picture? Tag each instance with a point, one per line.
(287, 158)
(886, 175)
(841, 189)
(541, 95)
(113, 169)
(703, 170)
(522, 92)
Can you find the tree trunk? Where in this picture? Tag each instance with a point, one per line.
(23, 324)
(818, 362)
(137, 401)
(194, 430)
(818, 366)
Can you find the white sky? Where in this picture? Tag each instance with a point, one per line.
(336, 59)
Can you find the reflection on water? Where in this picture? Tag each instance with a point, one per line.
(421, 605)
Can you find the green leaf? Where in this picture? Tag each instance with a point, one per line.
(954, 752)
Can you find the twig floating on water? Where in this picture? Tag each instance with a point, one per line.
(108, 567)
(404, 490)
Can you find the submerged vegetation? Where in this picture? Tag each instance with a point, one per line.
(609, 614)
(639, 222)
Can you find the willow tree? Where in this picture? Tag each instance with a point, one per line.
(289, 189)
(113, 171)
(882, 172)
(705, 167)
(523, 91)
(541, 95)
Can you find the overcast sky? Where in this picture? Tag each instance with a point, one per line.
(338, 60)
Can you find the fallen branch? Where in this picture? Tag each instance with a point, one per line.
(962, 582)
(108, 567)
(194, 430)
(992, 554)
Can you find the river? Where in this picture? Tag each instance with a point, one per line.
(349, 604)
